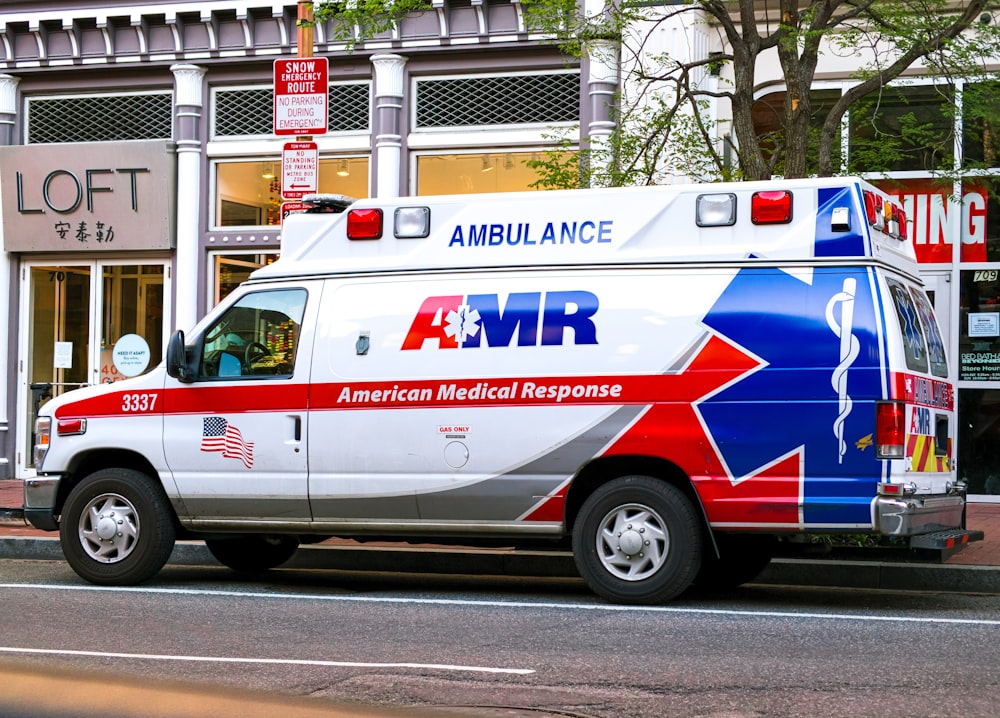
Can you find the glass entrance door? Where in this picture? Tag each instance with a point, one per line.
(72, 316)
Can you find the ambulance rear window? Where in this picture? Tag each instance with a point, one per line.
(935, 344)
(922, 341)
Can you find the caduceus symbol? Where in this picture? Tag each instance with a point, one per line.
(849, 350)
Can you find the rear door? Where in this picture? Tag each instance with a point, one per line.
(920, 378)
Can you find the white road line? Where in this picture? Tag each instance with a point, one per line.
(269, 661)
(513, 604)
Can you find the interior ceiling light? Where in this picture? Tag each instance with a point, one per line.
(487, 163)
(343, 170)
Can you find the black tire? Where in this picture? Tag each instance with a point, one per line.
(637, 540)
(117, 527)
(741, 560)
(253, 554)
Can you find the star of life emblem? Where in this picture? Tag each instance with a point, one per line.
(462, 324)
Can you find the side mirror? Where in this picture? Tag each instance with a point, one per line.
(177, 364)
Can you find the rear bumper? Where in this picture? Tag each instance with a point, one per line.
(913, 515)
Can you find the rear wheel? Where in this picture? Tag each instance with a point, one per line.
(252, 554)
(117, 527)
(637, 540)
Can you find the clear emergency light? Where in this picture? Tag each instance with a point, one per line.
(412, 222)
(715, 210)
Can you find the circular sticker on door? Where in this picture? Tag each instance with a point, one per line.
(131, 355)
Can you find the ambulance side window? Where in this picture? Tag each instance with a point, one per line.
(256, 337)
(910, 326)
(935, 344)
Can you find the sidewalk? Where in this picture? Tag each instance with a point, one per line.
(974, 569)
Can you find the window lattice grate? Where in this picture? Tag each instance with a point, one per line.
(505, 100)
(106, 118)
(249, 112)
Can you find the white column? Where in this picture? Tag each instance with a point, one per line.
(602, 84)
(188, 102)
(388, 114)
(8, 118)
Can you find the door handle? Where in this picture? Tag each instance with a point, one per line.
(297, 427)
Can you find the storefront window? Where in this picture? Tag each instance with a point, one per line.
(471, 173)
(768, 113)
(231, 270)
(979, 325)
(981, 236)
(248, 193)
(979, 436)
(980, 108)
(902, 128)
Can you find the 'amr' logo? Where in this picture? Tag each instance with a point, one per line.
(536, 318)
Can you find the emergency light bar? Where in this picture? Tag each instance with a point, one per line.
(408, 223)
(884, 216)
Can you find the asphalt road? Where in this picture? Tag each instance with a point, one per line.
(495, 646)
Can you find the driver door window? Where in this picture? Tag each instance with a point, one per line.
(256, 337)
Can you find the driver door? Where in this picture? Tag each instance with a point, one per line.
(234, 438)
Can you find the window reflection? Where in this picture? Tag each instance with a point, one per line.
(231, 270)
(478, 172)
(248, 193)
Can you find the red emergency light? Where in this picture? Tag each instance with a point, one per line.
(364, 223)
(890, 429)
(773, 207)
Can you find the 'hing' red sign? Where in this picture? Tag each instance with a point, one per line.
(934, 215)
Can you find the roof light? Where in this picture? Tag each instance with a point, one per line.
(904, 232)
(715, 210)
(771, 207)
(412, 222)
(840, 219)
(873, 210)
(364, 223)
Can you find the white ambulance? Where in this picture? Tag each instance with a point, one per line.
(668, 378)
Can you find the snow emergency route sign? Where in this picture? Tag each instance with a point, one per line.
(299, 169)
(301, 93)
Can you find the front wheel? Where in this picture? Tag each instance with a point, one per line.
(252, 554)
(117, 527)
(637, 540)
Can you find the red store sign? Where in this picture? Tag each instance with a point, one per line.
(933, 214)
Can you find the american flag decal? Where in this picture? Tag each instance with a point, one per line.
(218, 435)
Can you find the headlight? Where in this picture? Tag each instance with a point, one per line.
(43, 427)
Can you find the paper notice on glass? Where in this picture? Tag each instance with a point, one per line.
(984, 324)
(63, 355)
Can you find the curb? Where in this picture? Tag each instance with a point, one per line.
(828, 573)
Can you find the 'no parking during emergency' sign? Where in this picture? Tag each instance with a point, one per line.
(301, 90)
